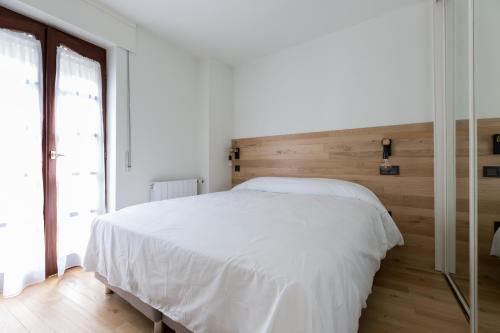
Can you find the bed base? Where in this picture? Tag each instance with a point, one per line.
(158, 318)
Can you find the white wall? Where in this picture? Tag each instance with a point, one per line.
(165, 116)
(203, 126)
(217, 117)
(487, 52)
(181, 119)
(220, 126)
(376, 73)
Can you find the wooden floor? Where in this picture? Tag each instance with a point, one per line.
(411, 301)
(488, 294)
(403, 300)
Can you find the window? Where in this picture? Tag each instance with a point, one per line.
(52, 131)
(21, 174)
(76, 97)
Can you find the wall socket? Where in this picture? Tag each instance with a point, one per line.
(389, 171)
(491, 171)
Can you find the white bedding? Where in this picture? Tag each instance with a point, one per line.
(495, 245)
(250, 260)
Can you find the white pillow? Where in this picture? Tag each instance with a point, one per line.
(322, 186)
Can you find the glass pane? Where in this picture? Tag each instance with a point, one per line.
(457, 103)
(487, 106)
(80, 170)
(22, 251)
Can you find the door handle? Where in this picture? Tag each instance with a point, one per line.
(54, 155)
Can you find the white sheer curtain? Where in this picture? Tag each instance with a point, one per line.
(22, 250)
(80, 145)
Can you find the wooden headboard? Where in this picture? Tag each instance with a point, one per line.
(355, 155)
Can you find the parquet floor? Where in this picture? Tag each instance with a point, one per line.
(403, 300)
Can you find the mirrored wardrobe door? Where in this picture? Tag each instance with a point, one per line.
(457, 110)
(487, 109)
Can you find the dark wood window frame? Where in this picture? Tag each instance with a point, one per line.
(51, 38)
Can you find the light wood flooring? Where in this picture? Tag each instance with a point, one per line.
(411, 301)
(403, 300)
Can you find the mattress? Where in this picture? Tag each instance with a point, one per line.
(260, 258)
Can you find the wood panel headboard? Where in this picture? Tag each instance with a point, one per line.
(355, 155)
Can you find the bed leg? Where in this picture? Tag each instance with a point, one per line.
(158, 327)
(107, 290)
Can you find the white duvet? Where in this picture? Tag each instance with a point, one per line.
(495, 244)
(272, 255)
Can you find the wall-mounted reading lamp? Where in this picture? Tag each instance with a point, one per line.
(496, 144)
(234, 154)
(493, 171)
(386, 169)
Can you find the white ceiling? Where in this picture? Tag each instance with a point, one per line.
(236, 31)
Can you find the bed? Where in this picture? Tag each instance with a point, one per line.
(495, 244)
(272, 255)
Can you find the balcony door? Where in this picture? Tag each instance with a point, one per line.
(52, 134)
(76, 146)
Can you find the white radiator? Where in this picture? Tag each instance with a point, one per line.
(173, 189)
